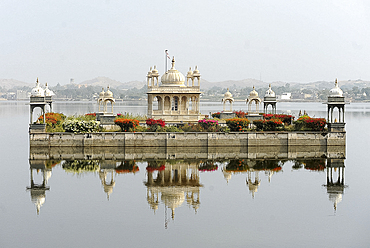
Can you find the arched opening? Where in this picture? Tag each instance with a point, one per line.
(157, 103)
(253, 106)
(335, 114)
(36, 112)
(175, 103)
(269, 108)
(183, 103)
(230, 103)
(167, 103)
(110, 110)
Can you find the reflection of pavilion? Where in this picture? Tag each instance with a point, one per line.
(253, 184)
(175, 183)
(106, 175)
(38, 190)
(252, 167)
(108, 169)
(335, 188)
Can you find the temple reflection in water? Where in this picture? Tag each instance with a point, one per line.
(173, 182)
(172, 177)
(335, 180)
(38, 189)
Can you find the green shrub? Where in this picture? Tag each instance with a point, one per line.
(141, 129)
(80, 166)
(173, 129)
(90, 116)
(258, 124)
(224, 129)
(81, 117)
(192, 128)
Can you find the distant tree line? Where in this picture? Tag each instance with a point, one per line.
(76, 92)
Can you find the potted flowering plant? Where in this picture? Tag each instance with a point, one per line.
(155, 125)
(237, 124)
(127, 125)
(209, 125)
(312, 124)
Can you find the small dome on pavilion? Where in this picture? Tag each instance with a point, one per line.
(108, 93)
(102, 93)
(270, 92)
(149, 75)
(37, 91)
(196, 72)
(253, 93)
(336, 91)
(47, 91)
(173, 77)
(228, 94)
(190, 73)
(155, 72)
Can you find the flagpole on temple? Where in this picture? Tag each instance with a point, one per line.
(165, 58)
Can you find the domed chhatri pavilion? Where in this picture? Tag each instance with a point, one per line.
(228, 97)
(253, 98)
(40, 98)
(104, 99)
(336, 101)
(269, 99)
(173, 100)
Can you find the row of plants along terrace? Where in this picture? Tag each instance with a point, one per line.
(57, 122)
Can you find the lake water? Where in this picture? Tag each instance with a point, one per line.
(201, 203)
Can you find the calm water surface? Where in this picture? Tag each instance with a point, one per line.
(216, 207)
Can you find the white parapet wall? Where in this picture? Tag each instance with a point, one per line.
(188, 139)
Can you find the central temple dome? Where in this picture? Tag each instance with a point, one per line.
(173, 77)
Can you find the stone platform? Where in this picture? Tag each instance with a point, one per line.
(188, 139)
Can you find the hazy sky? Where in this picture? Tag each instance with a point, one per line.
(291, 41)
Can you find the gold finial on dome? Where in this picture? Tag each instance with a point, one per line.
(173, 62)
